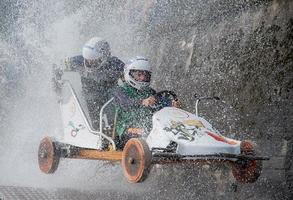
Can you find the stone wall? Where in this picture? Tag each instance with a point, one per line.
(239, 51)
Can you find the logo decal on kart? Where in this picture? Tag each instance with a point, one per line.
(186, 130)
(75, 130)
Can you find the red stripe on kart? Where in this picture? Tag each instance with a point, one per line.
(221, 139)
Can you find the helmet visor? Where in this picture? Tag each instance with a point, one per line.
(141, 75)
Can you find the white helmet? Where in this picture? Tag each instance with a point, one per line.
(137, 64)
(96, 49)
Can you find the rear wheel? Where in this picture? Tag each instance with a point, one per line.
(136, 160)
(247, 171)
(48, 155)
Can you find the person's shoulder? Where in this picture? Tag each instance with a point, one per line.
(116, 63)
(115, 59)
(126, 88)
(120, 89)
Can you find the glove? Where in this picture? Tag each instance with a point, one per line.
(176, 103)
(67, 66)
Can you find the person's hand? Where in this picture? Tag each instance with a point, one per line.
(150, 101)
(176, 103)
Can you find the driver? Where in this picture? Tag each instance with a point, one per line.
(134, 101)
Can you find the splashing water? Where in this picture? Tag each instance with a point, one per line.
(208, 46)
(45, 33)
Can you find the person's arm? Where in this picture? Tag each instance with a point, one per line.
(74, 64)
(125, 103)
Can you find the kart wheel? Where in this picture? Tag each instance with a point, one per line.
(247, 171)
(136, 160)
(48, 155)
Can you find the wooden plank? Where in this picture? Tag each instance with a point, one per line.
(99, 155)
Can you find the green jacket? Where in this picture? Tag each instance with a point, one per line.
(130, 112)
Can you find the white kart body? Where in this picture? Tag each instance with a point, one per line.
(193, 134)
(75, 130)
(76, 124)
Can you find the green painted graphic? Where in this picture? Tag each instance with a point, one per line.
(184, 131)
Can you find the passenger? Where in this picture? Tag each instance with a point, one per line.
(99, 74)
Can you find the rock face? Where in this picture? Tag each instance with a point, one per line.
(241, 52)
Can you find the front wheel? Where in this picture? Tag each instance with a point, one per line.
(48, 155)
(247, 171)
(136, 160)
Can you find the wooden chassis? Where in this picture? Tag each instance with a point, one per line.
(162, 157)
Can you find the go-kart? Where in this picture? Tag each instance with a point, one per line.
(177, 136)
